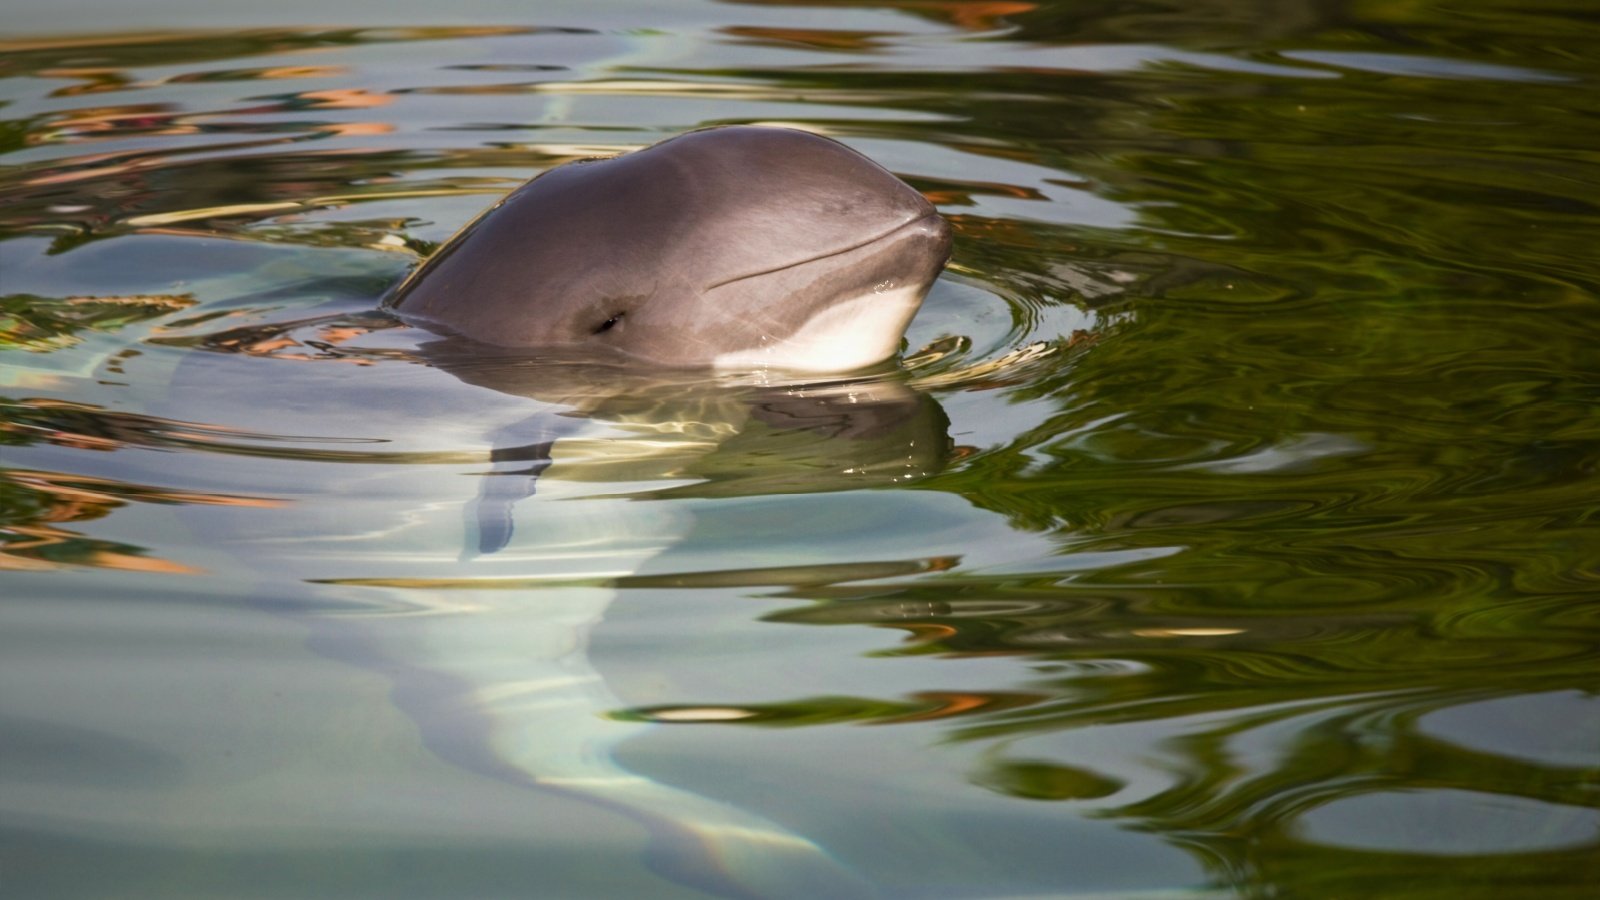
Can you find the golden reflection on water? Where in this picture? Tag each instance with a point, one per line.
(41, 544)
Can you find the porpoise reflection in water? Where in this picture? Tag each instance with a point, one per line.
(580, 317)
(499, 678)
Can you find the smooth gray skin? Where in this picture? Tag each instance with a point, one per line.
(736, 246)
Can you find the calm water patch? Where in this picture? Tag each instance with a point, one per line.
(1227, 530)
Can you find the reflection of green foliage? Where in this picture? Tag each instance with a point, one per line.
(20, 504)
(13, 133)
(1335, 470)
(794, 713)
(1345, 750)
(1043, 780)
(61, 548)
(42, 324)
(174, 48)
(36, 505)
(30, 537)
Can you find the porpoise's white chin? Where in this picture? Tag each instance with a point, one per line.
(849, 335)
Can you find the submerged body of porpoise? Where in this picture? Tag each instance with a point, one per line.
(734, 247)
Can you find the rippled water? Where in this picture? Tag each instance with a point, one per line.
(1229, 529)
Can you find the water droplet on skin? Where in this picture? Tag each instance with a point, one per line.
(882, 286)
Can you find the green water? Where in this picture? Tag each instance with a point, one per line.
(1255, 554)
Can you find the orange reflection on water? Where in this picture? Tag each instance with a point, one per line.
(87, 174)
(950, 704)
(808, 37)
(36, 542)
(324, 342)
(92, 81)
(969, 15)
(928, 632)
(79, 497)
(963, 194)
(343, 98)
(262, 74)
(356, 129)
(981, 16)
(31, 554)
(108, 121)
(97, 80)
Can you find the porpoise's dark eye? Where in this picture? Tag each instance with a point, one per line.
(608, 324)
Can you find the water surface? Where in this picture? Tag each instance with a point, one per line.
(1228, 529)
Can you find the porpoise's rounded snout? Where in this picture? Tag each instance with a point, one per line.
(736, 246)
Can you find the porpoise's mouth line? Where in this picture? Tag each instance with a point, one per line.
(840, 252)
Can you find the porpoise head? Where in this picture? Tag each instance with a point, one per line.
(731, 247)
